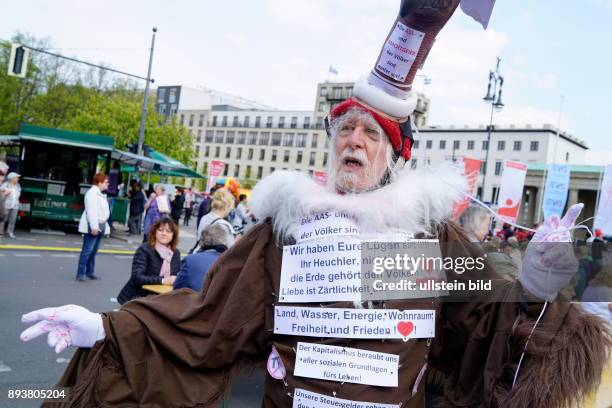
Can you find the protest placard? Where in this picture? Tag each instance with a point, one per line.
(346, 364)
(354, 323)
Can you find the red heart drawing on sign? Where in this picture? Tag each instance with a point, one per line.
(405, 328)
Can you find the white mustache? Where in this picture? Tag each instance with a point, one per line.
(354, 154)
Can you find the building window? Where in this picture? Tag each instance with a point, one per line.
(224, 121)
(199, 135)
(262, 154)
(172, 95)
(288, 139)
(323, 91)
(483, 168)
(567, 157)
(257, 121)
(349, 91)
(428, 144)
(281, 122)
(501, 145)
(319, 123)
(201, 120)
(325, 159)
(209, 136)
(442, 144)
(264, 138)
(269, 122)
(321, 107)
(517, 145)
(456, 144)
(327, 142)
(197, 151)
(307, 122)
(470, 145)
(228, 152)
(214, 121)
(250, 155)
(235, 122)
(219, 136)
(337, 91)
(259, 172)
(301, 140)
(274, 153)
(225, 170)
(252, 138)
(413, 163)
(246, 121)
(313, 143)
(191, 120)
(162, 109)
(286, 156)
(498, 167)
(293, 124)
(247, 173)
(182, 119)
(217, 152)
(241, 137)
(534, 146)
(161, 94)
(237, 170)
(276, 138)
(299, 156)
(311, 162)
(231, 136)
(207, 151)
(416, 144)
(239, 153)
(485, 144)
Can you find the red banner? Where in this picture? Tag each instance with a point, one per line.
(471, 170)
(320, 177)
(511, 190)
(215, 169)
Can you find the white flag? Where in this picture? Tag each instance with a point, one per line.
(479, 10)
(603, 218)
(333, 70)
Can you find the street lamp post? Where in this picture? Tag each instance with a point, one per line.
(496, 82)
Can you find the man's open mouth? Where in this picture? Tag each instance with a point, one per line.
(352, 162)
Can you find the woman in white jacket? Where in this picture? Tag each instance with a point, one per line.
(93, 225)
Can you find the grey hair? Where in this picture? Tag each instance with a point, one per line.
(472, 218)
(215, 234)
(392, 166)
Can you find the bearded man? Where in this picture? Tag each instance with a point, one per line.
(183, 348)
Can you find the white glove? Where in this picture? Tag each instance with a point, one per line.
(549, 262)
(69, 325)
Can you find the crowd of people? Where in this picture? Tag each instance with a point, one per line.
(592, 284)
(222, 219)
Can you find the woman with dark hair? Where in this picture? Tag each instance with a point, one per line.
(156, 261)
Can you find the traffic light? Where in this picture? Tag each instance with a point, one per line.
(18, 63)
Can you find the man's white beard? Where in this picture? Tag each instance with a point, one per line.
(353, 181)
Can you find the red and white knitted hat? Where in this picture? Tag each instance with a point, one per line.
(400, 135)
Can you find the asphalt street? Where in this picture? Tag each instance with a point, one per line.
(31, 279)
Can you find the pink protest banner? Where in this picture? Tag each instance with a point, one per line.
(215, 169)
(511, 190)
(471, 170)
(320, 177)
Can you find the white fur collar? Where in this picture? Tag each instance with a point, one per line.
(415, 201)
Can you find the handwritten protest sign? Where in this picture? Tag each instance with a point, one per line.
(354, 323)
(309, 399)
(346, 364)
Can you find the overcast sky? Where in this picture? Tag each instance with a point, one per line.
(275, 52)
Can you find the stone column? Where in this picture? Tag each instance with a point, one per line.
(572, 198)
